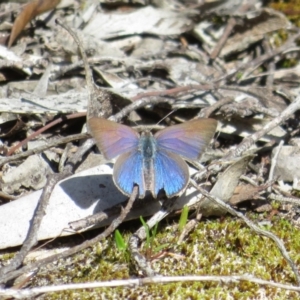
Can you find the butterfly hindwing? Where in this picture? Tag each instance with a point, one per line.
(171, 173)
(188, 139)
(128, 170)
(112, 138)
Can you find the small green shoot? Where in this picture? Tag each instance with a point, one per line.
(183, 218)
(121, 245)
(150, 236)
(147, 231)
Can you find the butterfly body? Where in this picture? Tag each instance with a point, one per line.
(154, 162)
(147, 145)
(148, 149)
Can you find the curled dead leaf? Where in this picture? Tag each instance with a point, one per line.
(246, 192)
(30, 11)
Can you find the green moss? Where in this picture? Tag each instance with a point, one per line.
(6, 256)
(290, 8)
(216, 247)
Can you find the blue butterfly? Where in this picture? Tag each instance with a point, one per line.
(154, 162)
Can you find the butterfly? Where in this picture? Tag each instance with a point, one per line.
(154, 162)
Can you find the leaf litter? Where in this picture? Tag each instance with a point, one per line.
(232, 61)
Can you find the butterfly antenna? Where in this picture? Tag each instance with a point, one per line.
(166, 116)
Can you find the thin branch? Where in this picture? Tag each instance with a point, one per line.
(273, 164)
(42, 148)
(228, 29)
(99, 100)
(176, 90)
(207, 111)
(131, 283)
(295, 201)
(88, 73)
(41, 130)
(138, 104)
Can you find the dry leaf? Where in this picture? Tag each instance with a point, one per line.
(225, 187)
(10, 126)
(245, 192)
(30, 11)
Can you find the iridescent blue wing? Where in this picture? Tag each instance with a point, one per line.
(188, 139)
(128, 170)
(171, 173)
(112, 138)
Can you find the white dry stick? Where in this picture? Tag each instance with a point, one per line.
(295, 183)
(273, 165)
(280, 198)
(31, 293)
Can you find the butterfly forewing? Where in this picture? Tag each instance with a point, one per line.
(188, 139)
(112, 138)
(128, 170)
(171, 173)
